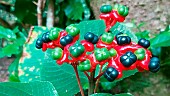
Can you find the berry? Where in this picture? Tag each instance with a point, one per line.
(101, 54)
(111, 74)
(107, 38)
(45, 37)
(90, 37)
(54, 33)
(154, 64)
(106, 8)
(57, 53)
(76, 50)
(144, 43)
(84, 66)
(66, 40)
(128, 59)
(39, 43)
(72, 30)
(122, 40)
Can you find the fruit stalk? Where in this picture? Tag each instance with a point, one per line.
(91, 83)
(78, 78)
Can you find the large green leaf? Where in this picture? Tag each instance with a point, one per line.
(62, 77)
(74, 10)
(161, 40)
(124, 94)
(95, 26)
(101, 94)
(120, 27)
(107, 94)
(27, 89)
(32, 58)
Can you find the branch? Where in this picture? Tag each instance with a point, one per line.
(97, 82)
(87, 75)
(40, 7)
(50, 14)
(91, 83)
(4, 23)
(78, 78)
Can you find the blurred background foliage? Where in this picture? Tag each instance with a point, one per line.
(17, 17)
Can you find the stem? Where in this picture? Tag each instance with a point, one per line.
(97, 82)
(99, 75)
(78, 79)
(50, 14)
(91, 83)
(87, 75)
(39, 12)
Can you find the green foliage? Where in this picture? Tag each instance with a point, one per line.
(120, 27)
(14, 39)
(27, 89)
(74, 10)
(32, 58)
(109, 85)
(105, 94)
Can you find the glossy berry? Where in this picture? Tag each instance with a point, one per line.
(122, 40)
(144, 43)
(101, 54)
(76, 50)
(107, 38)
(128, 59)
(39, 43)
(154, 64)
(106, 8)
(45, 37)
(54, 33)
(140, 53)
(57, 53)
(66, 40)
(90, 37)
(72, 30)
(123, 10)
(84, 66)
(111, 74)
(112, 52)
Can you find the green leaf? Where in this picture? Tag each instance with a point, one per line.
(101, 94)
(26, 14)
(27, 89)
(144, 34)
(74, 10)
(95, 26)
(120, 27)
(109, 85)
(7, 34)
(123, 94)
(161, 40)
(8, 52)
(13, 70)
(32, 58)
(107, 94)
(62, 77)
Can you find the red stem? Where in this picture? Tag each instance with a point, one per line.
(78, 79)
(97, 82)
(99, 76)
(113, 23)
(87, 75)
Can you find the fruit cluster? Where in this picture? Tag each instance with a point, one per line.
(111, 16)
(118, 51)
